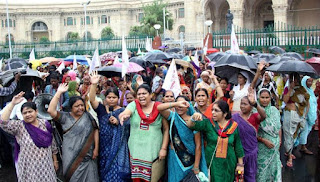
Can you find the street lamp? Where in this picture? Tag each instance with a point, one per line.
(208, 23)
(85, 4)
(8, 23)
(157, 27)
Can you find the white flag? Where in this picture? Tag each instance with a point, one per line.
(32, 56)
(205, 47)
(74, 65)
(1, 64)
(234, 42)
(95, 61)
(125, 58)
(149, 44)
(61, 67)
(139, 51)
(196, 59)
(171, 82)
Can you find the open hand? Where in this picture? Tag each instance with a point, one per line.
(251, 97)
(123, 117)
(63, 87)
(183, 104)
(18, 98)
(261, 65)
(162, 154)
(197, 116)
(94, 77)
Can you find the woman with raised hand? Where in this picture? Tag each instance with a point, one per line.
(35, 149)
(224, 153)
(149, 134)
(248, 124)
(269, 137)
(185, 150)
(114, 163)
(80, 139)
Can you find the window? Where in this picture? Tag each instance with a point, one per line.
(104, 19)
(87, 20)
(182, 29)
(14, 23)
(109, 19)
(10, 23)
(64, 22)
(75, 23)
(2, 23)
(181, 13)
(140, 17)
(81, 21)
(69, 21)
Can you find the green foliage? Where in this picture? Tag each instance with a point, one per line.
(153, 14)
(44, 39)
(107, 33)
(73, 36)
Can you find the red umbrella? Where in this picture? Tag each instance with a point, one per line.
(315, 63)
(212, 50)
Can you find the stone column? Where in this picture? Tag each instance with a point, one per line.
(190, 17)
(280, 14)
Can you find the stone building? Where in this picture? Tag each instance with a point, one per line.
(31, 21)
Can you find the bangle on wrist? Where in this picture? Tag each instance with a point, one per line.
(56, 161)
(163, 149)
(169, 104)
(195, 169)
(241, 165)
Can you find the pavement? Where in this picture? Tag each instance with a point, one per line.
(306, 168)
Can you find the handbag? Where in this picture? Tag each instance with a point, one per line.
(191, 177)
(157, 169)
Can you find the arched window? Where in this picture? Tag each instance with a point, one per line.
(104, 19)
(88, 19)
(39, 26)
(7, 38)
(89, 36)
(10, 23)
(182, 29)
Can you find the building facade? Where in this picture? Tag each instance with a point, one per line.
(29, 22)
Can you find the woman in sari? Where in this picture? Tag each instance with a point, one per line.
(207, 82)
(269, 164)
(35, 149)
(311, 116)
(72, 90)
(114, 164)
(80, 139)
(147, 141)
(248, 124)
(294, 116)
(185, 151)
(268, 83)
(224, 153)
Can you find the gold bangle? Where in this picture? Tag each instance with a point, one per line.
(56, 161)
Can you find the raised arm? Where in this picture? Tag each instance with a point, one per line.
(253, 102)
(92, 94)
(125, 115)
(52, 110)
(217, 87)
(5, 91)
(164, 108)
(262, 64)
(7, 110)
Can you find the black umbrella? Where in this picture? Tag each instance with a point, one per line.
(293, 54)
(28, 74)
(214, 57)
(157, 55)
(191, 48)
(158, 61)
(263, 56)
(15, 65)
(231, 64)
(141, 61)
(278, 59)
(293, 65)
(110, 71)
(176, 49)
(277, 49)
(313, 51)
(200, 52)
(254, 52)
(176, 56)
(16, 60)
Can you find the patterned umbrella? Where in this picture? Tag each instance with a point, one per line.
(315, 63)
(110, 56)
(133, 67)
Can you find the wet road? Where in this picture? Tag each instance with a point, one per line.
(306, 168)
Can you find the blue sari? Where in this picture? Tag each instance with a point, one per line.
(182, 157)
(114, 163)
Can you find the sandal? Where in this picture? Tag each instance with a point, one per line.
(289, 163)
(292, 156)
(306, 151)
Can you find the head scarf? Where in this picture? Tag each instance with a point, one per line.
(312, 114)
(271, 87)
(64, 78)
(240, 93)
(72, 90)
(73, 75)
(134, 84)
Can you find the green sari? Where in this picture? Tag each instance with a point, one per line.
(269, 164)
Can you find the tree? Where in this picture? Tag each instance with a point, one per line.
(153, 14)
(44, 39)
(73, 36)
(136, 31)
(107, 33)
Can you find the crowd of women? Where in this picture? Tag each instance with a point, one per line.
(131, 129)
